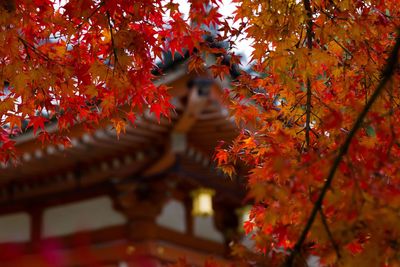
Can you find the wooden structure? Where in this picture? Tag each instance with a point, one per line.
(153, 165)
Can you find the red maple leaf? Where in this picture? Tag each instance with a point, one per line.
(37, 122)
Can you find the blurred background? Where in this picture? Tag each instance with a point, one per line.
(146, 198)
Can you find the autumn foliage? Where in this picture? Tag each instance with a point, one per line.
(85, 61)
(320, 118)
(318, 105)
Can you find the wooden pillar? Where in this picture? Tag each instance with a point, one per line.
(189, 220)
(140, 203)
(227, 222)
(36, 221)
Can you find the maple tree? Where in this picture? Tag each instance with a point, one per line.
(85, 61)
(319, 114)
(319, 108)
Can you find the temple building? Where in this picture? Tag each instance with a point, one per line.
(147, 198)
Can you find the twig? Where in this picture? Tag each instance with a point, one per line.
(112, 41)
(329, 233)
(91, 14)
(26, 45)
(309, 36)
(344, 48)
(316, 135)
(301, 116)
(316, 115)
(36, 51)
(28, 56)
(83, 22)
(297, 103)
(386, 75)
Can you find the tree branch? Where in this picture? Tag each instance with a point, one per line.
(91, 14)
(329, 233)
(385, 77)
(112, 41)
(309, 36)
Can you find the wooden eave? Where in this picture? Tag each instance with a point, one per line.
(98, 157)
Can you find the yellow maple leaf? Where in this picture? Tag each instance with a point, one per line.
(119, 125)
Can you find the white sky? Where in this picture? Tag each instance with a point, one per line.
(227, 9)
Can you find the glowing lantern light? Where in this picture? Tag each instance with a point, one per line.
(202, 202)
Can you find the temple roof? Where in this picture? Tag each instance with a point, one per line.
(181, 144)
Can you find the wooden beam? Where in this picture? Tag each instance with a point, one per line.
(194, 107)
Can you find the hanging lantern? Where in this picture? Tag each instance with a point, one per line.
(202, 202)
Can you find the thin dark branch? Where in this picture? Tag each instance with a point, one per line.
(329, 233)
(28, 56)
(316, 135)
(316, 115)
(297, 103)
(112, 41)
(322, 102)
(344, 48)
(91, 14)
(85, 20)
(385, 77)
(27, 45)
(309, 37)
(308, 113)
(301, 116)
